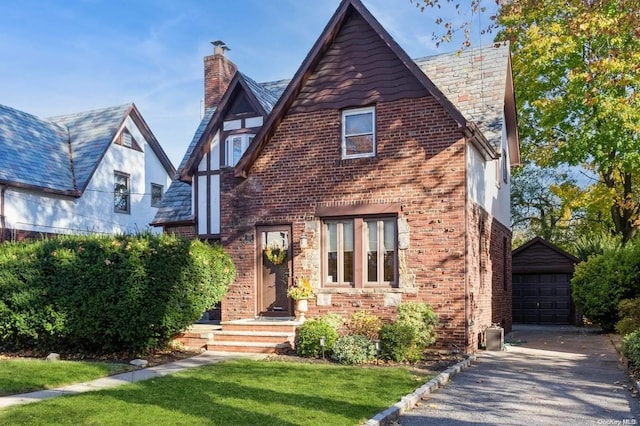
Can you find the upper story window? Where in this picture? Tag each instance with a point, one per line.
(156, 194)
(127, 140)
(505, 170)
(358, 133)
(121, 195)
(360, 252)
(235, 146)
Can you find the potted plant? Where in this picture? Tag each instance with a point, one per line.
(301, 291)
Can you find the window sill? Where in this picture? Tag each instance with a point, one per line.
(365, 290)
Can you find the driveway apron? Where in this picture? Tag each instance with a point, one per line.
(548, 375)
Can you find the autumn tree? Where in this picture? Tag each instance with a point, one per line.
(576, 67)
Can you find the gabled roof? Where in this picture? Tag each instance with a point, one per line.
(544, 243)
(262, 99)
(60, 154)
(331, 31)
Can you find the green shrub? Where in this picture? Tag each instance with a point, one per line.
(631, 348)
(362, 323)
(101, 295)
(600, 283)
(308, 339)
(421, 317)
(629, 312)
(354, 349)
(334, 320)
(400, 342)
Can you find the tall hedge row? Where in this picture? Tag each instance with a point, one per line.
(600, 283)
(100, 295)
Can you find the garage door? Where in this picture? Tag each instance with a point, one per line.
(541, 298)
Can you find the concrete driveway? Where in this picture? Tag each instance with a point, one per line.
(549, 376)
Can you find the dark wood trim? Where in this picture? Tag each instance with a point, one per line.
(358, 210)
(190, 222)
(208, 236)
(216, 123)
(542, 269)
(511, 117)
(208, 213)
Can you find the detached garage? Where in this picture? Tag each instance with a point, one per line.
(542, 284)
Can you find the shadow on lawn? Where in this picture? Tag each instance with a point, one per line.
(239, 393)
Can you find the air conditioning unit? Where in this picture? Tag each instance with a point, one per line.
(495, 338)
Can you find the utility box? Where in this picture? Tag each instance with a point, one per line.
(495, 338)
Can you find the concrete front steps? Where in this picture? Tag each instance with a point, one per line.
(245, 336)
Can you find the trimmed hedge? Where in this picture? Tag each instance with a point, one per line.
(100, 295)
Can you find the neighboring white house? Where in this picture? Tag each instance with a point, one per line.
(100, 171)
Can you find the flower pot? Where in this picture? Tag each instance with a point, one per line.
(302, 306)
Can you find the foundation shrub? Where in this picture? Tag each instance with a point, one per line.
(421, 317)
(400, 342)
(97, 295)
(363, 323)
(354, 349)
(308, 338)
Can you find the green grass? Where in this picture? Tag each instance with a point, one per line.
(26, 375)
(232, 393)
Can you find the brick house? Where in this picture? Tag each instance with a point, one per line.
(385, 180)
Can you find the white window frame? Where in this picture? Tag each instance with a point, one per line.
(245, 141)
(358, 111)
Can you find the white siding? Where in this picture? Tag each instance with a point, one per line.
(94, 211)
(486, 186)
(202, 205)
(215, 204)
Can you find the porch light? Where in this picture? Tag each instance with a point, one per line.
(303, 240)
(322, 343)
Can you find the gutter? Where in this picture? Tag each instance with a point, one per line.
(3, 225)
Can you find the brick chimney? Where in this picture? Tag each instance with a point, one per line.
(218, 72)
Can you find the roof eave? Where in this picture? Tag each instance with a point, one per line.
(75, 193)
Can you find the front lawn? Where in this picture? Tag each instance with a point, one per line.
(233, 393)
(19, 375)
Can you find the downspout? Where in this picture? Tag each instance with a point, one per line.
(3, 225)
(466, 245)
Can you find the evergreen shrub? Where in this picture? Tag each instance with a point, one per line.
(98, 295)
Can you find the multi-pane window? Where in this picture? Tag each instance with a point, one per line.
(235, 146)
(156, 194)
(121, 196)
(380, 241)
(359, 133)
(360, 252)
(339, 252)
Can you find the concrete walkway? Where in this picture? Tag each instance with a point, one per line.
(203, 359)
(549, 376)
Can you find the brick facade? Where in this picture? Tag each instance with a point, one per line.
(184, 231)
(420, 164)
(488, 276)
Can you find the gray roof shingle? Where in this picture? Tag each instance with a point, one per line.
(175, 205)
(35, 152)
(474, 80)
(91, 134)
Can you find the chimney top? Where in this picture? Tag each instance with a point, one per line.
(219, 47)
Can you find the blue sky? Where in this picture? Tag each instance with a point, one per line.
(66, 56)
